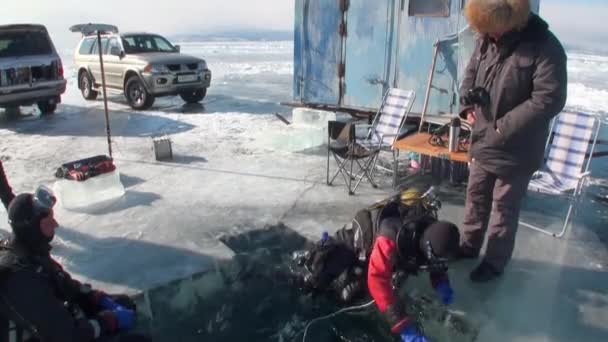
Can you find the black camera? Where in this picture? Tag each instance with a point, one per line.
(477, 96)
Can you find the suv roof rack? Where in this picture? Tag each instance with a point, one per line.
(91, 29)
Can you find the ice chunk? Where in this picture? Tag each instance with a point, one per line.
(305, 117)
(91, 194)
(308, 130)
(296, 139)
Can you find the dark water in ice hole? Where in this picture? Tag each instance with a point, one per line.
(250, 298)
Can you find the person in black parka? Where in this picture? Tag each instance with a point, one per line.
(39, 300)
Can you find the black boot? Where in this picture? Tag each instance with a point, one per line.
(484, 273)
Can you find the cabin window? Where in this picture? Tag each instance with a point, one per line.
(429, 8)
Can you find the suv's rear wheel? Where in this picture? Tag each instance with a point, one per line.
(86, 86)
(194, 95)
(137, 95)
(47, 107)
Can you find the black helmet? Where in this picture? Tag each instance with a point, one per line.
(25, 213)
(443, 237)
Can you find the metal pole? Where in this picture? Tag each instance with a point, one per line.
(428, 87)
(398, 44)
(105, 97)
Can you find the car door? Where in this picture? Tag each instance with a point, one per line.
(113, 63)
(94, 58)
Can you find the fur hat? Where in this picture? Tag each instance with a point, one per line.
(497, 16)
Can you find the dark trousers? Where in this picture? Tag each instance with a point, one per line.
(489, 195)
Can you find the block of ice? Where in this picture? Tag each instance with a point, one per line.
(308, 130)
(305, 117)
(90, 194)
(297, 139)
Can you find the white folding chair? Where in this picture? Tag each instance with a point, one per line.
(388, 123)
(570, 149)
(345, 145)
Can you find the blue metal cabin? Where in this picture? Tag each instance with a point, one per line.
(348, 52)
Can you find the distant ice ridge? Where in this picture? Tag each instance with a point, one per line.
(581, 97)
(276, 68)
(239, 48)
(574, 56)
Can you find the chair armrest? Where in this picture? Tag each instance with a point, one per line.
(390, 135)
(584, 175)
(381, 137)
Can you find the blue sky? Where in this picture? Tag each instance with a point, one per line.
(581, 23)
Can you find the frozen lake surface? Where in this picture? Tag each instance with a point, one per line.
(172, 238)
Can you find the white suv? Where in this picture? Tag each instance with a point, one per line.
(142, 66)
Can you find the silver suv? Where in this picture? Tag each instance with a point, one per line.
(143, 66)
(30, 68)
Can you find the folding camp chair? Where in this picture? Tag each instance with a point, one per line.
(571, 145)
(350, 148)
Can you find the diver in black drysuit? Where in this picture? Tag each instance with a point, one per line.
(39, 300)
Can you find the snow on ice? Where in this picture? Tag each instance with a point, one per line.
(237, 168)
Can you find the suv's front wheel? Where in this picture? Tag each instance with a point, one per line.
(86, 86)
(194, 95)
(137, 95)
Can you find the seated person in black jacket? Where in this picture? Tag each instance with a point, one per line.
(6, 193)
(39, 300)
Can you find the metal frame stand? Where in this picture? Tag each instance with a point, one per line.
(105, 96)
(97, 29)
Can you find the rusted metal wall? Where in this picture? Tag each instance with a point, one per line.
(348, 52)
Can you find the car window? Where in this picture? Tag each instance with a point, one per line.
(144, 43)
(112, 43)
(86, 46)
(163, 45)
(104, 42)
(24, 43)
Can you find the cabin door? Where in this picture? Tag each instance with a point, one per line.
(367, 53)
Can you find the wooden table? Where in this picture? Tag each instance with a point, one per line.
(419, 143)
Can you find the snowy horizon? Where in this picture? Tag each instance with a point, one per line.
(184, 17)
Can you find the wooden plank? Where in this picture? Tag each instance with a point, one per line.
(419, 143)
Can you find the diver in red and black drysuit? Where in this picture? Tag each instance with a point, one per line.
(382, 245)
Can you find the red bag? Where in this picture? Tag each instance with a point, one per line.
(84, 169)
